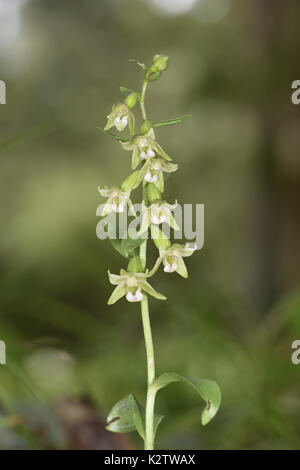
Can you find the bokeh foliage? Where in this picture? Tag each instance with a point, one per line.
(234, 320)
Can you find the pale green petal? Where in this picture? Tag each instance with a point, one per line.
(169, 167)
(145, 222)
(117, 294)
(160, 181)
(171, 221)
(115, 279)
(131, 123)
(107, 209)
(105, 192)
(149, 290)
(181, 267)
(127, 145)
(142, 172)
(135, 158)
(158, 149)
(110, 122)
(150, 134)
(183, 250)
(131, 208)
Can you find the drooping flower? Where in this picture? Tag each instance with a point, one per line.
(144, 147)
(172, 258)
(158, 213)
(131, 285)
(152, 171)
(120, 117)
(117, 200)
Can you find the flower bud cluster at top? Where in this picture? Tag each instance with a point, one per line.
(149, 163)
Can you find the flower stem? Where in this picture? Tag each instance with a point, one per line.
(142, 100)
(149, 417)
(149, 429)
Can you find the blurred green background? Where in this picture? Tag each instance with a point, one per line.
(69, 356)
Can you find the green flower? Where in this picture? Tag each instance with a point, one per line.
(117, 200)
(152, 171)
(172, 258)
(120, 117)
(158, 213)
(131, 285)
(144, 147)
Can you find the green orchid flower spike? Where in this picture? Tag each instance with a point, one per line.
(151, 165)
(143, 147)
(117, 200)
(120, 117)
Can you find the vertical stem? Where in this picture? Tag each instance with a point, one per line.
(142, 100)
(149, 417)
(149, 434)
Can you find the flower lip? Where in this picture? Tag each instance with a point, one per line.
(121, 122)
(137, 297)
(155, 219)
(150, 178)
(118, 208)
(148, 154)
(170, 268)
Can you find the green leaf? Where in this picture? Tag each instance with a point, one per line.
(117, 244)
(128, 415)
(126, 91)
(128, 245)
(168, 122)
(116, 137)
(208, 390)
(120, 418)
(140, 64)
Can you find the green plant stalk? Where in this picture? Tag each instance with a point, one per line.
(142, 99)
(149, 416)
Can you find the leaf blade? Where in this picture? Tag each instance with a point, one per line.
(110, 134)
(169, 122)
(207, 389)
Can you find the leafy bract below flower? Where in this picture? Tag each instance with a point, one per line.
(144, 147)
(152, 171)
(117, 201)
(132, 285)
(120, 117)
(158, 213)
(172, 258)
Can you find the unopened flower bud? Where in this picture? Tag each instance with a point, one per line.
(160, 62)
(131, 100)
(135, 265)
(146, 126)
